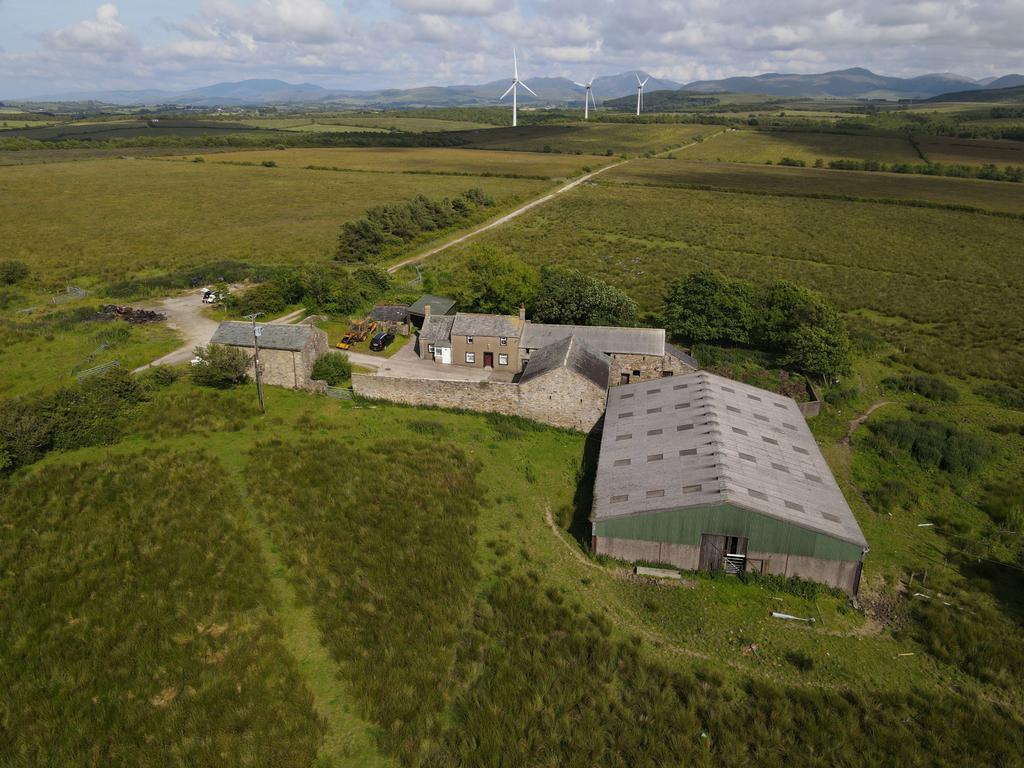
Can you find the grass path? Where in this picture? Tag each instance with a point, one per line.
(854, 423)
(348, 740)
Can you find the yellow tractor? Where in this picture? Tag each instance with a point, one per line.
(357, 333)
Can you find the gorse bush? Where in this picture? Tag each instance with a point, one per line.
(927, 386)
(1003, 394)
(134, 627)
(931, 443)
(388, 226)
(334, 368)
(220, 367)
(12, 272)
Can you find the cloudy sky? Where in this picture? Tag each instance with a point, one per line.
(59, 46)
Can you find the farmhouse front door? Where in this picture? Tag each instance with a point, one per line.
(488, 359)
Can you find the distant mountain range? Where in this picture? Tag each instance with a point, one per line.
(854, 83)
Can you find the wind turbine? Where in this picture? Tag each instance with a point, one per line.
(640, 92)
(588, 97)
(514, 88)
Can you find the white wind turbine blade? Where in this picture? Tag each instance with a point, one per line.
(506, 93)
(644, 82)
(515, 63)
(528, 88)
(637, 78)
(592, 99)
(581, 85)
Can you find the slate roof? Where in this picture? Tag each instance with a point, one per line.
(390, 313)
(467, 324)
(572, 353)
(677, 353)
(437, 329)
(607, 339)
(292, 338)
(718, 442)
(439, 305)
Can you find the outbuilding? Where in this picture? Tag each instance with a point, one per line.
(287, 352)
(706, 473)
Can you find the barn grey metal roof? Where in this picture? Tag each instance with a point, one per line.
(572, 353)
(716, 441)
(468, 324)
(439, 305)
(437, 329)
(607, 339)
(390, 313)
(679, 354)
(292, 338)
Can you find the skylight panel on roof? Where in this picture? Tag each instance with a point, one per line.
(732, 408)
(804, 451)
(655, 457)
(757, 494)
(812, 478)
(657, 494)
(623, 462)
(770, 440)
(748, 457)
(739, 431)
(654, 410)
(692, 488)
(794, 506)
(682, 405)
(626, 415)
(684, 427)
(626, 436)
(688, 452)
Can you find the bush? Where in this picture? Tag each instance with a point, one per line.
(932, 443)
(1003, 394)
(269, 164)
(220, 367)
(334, 368)
(927, 386)
(12, 271)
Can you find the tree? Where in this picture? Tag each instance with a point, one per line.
(786, 308)
(334, 368)
(568, 296)
(12, 271)
(220, 367)
(818, 352)
(493, 282)
(706, 306)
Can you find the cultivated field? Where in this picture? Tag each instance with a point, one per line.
(593, 139)
(111, 219)
(923, 266)
(740, 146)
(406, 124)
(808, 182)
(943, 149)
(303, 125)
(421, 160)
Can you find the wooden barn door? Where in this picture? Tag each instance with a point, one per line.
(712, 551)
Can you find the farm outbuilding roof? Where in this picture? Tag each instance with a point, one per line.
(390, 313)
(467, 324)
(437, 329)
(439, 305)
(682, 356)
(293, 338)
(701, 440)
(608, 339)
(572, 353)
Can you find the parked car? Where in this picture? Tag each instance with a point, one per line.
(381, 341)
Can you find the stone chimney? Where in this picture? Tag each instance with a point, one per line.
(522, 312)
(426, 311)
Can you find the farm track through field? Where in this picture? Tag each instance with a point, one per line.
(854, 423)
(569, 185)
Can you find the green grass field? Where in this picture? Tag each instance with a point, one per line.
(781, 180)
(416, 160)
(740, 146)
(902, 262)
(107, 220)
(405, 124)
(592, 139)
(942, 149)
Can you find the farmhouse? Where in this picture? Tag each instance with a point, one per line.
(287, 352)
(707, 473)
(506, 343)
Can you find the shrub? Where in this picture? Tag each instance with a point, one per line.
(927, 386)
(1003, 394)
(269, 164)
(12, 271)
(428, 428)
(334, 368)
(932, 443)
(221, 367)
(795, 163)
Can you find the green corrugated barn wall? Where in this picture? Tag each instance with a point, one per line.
(764, 534)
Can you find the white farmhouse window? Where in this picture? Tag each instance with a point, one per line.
(430, 349)
(471, 357)
(502, 359)
(503, 340)
(469, 339)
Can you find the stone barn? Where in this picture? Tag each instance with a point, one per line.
(287, 352)
(706, 473)
(565, 384)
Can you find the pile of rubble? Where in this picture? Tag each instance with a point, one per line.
(132, 315)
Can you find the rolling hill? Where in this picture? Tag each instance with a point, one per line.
(1012, 94)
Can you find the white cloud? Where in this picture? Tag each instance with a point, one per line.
(448, 7)
(296, 21)
(105, 34)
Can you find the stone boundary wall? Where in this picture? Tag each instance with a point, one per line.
(535, 401)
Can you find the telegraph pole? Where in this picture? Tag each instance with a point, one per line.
(256, 357)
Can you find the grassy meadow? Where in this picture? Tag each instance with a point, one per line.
(462, 162)
(944, 149)
(111, 219)
(810, 182)
(740, 146)
(917, 267)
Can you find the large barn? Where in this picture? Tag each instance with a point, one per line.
(707, 473)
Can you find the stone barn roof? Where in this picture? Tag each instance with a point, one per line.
(468, 324)
(701, 440)
(390, 313)
(608, 339)
(292, 338)
(439, 305)
(572, 353)
(437, 329)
